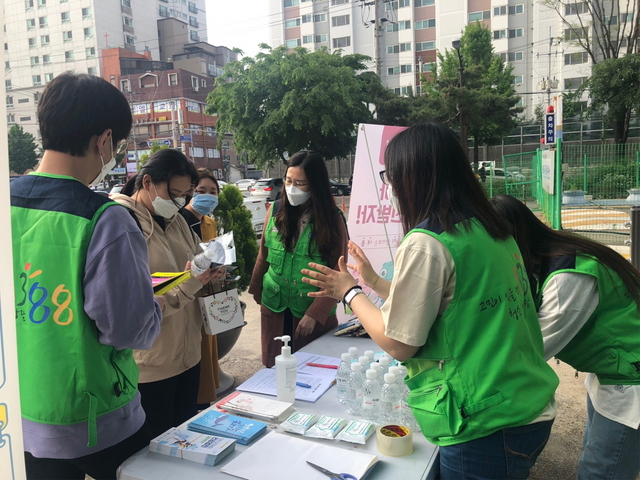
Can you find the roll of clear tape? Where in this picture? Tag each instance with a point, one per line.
(394, 440)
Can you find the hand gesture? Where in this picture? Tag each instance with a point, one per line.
(332, 283)
(363, 266)
(305, 327)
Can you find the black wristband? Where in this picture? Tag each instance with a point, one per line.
(347, 293)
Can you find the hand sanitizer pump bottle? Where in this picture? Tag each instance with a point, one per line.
(286, 368)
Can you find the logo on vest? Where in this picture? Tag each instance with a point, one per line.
(34, 299)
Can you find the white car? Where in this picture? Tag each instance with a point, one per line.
(245, 184)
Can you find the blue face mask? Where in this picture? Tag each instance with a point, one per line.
(204, 203)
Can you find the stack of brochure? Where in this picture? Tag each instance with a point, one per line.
(256, 407)
(243, 430)
(195, 447)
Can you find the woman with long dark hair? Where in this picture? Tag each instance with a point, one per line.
(458, 313)
(588, 298)
(170, 369)
(304, 225)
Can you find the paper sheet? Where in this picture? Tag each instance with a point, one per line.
(264, 381)
(304, 358)
(278, 456)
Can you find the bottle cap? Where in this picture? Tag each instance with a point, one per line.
(353, 351)
(286, 349)
(356, 367)
(394, 370)
(389, 378)
(376, 366)
(372, 374)
(369, 353)
(210, 254)
(403, 370)
(345, 357)
(364, 361)
(384, 361)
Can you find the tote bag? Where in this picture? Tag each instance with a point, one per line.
(221, 311)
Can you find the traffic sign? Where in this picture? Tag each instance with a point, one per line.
(550, 129)
(185, 138)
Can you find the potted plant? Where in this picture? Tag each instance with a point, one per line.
(232, 216)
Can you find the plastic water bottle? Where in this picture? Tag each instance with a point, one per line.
(384, 361)
(201, 262)
(390, 400)
(378, 368)
(365, 362)
(342, 377)
(354, 390)
(370, 355)
(408, 418)
(353, 351)
(371, 397)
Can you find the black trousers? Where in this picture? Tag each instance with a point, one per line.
(101, 465)
(170, 402)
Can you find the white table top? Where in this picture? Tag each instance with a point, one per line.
(146, 465)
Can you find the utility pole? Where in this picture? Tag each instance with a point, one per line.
(377, 33)
(549, 70)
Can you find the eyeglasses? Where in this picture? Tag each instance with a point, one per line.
(288, 182)
(384, 178)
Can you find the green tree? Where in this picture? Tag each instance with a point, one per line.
(606, 33)
(473, 89)
(279, 103)
(22, 150)
(155, 146)
(232, 216)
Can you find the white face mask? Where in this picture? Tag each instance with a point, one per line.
(296, 196)
(393, 200)
(106, 168)
(166, 208)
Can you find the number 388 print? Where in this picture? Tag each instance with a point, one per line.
(33, 298)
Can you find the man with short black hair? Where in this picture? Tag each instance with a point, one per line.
(84, 297)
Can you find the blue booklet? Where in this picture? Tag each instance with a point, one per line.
(243, 430)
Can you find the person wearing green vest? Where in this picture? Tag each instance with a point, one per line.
(588, 302)
(304, 225)
(81, 409)
(458, 313)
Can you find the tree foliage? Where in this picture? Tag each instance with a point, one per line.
(22, 150)
(484, 105)
(281, 102)
(155, 146)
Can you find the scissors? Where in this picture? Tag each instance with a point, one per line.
(334, 476)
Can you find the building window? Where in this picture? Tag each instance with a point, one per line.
(7, 66)
(67, 36)
(36, 97)
(321, 38)
(422, 46)
(35, 61)
(46, 59)
(25, 119)
(307, 39)
(427, 67)
(91, 52)
(339, 2)
(31, 23)
(42, 3)
(421, 25)
(516, 9)
(193, 21)
(322, 17)
(576, 8)
(44, 40)
(86, 12)
(342, 42)
(11, 119)
(485, 15)
(404, 3)
(498, 34)
(173, 79)
(403, 47)
(611, 20)
(516, 32)
(293, 43)
(28, 5)
(129, 40)
(193, 8)
(66, 17)
(626, 17)
(575, 33)
(33, 43)
(126, 3)
(340, 21)
(307, 18)
(127, 21)
(401, 25)
(196, 152)
(573, 83)
(408, 90)
(9, 101)
(68, 56)
(294, 22)
(7, 84)
(391, 6)
(37, 80)
(291, 3)
(23, 100)
(576, 58)
(125, 86)
(194, 83)
(203, 83)
(193, 36)
(43, 22)
(515, 56)
(497, 11)
(210, 152)
(48, 77)
(517, 79)
(92, 71)
(424, 3)
(162, 11)
(399, 69)
(88, 32)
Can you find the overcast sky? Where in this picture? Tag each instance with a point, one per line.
(238, 23)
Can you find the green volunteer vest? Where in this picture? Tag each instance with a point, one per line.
(282, 286)
(66, 375)
(482, 367)
(609, 342)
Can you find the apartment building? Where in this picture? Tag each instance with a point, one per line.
(44, 38)
(403, 36)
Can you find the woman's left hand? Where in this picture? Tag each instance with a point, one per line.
(305, 327)
(332, 283)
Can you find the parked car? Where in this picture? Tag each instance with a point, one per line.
(267, 188)
(245, 184)
(338, 188)
(258, 208)
(115, 189)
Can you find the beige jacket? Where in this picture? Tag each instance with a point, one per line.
(177, 348)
